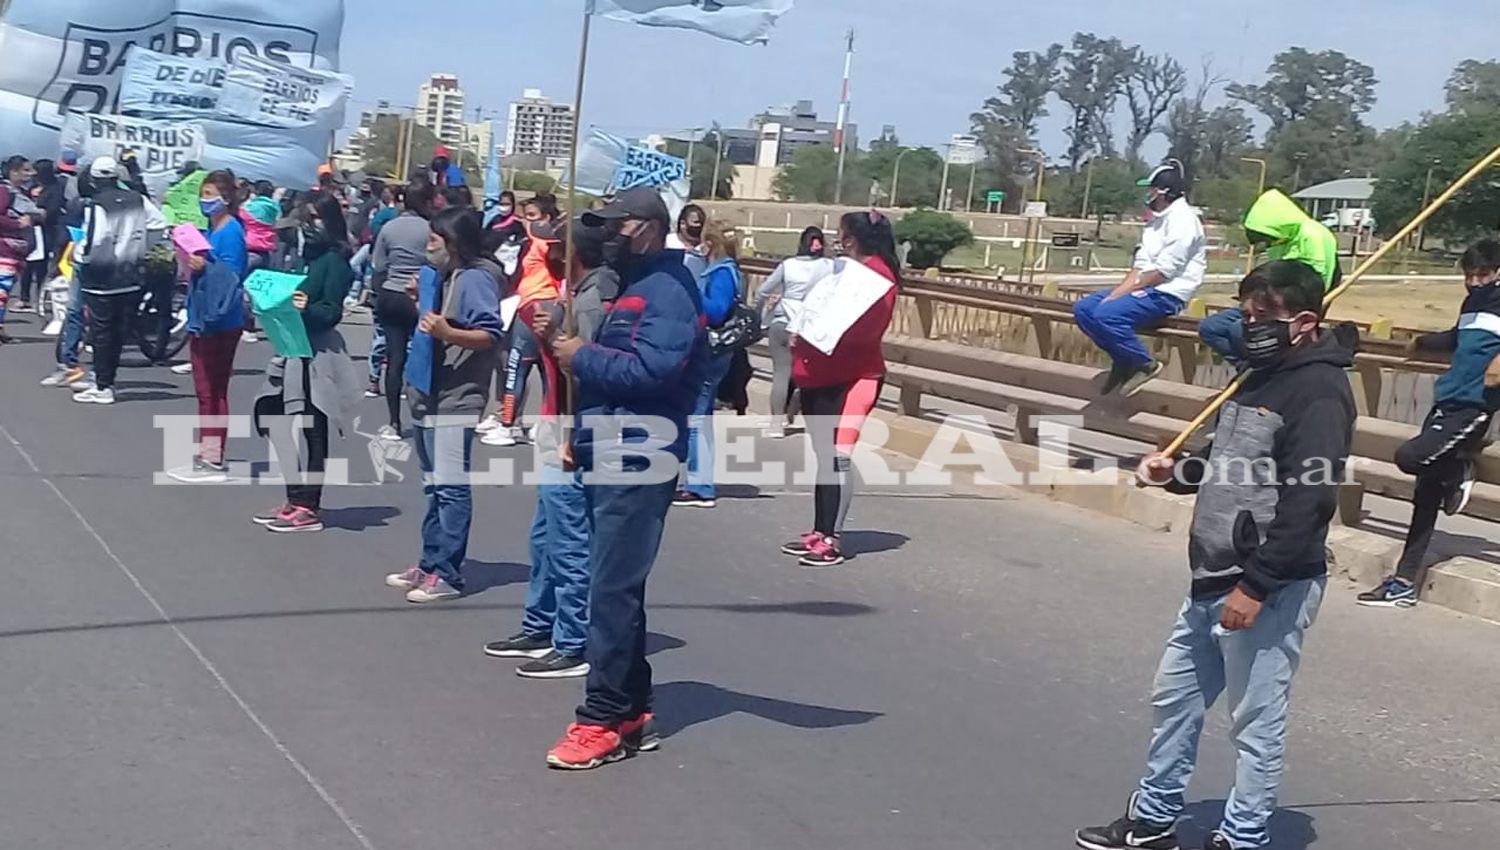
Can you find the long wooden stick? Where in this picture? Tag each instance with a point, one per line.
(1364, 268)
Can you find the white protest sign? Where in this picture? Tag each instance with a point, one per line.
(161, 147)
(273, 94)
(838, 301)
(156, 84)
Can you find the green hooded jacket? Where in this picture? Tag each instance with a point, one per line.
(180, 205)
(1294, 234)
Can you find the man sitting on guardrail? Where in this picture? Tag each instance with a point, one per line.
(1442, 455)
(1168, 268)
(1286, 232)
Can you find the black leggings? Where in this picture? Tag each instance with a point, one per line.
(835, 416)
(397, 315)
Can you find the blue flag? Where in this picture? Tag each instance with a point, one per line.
(745, 21)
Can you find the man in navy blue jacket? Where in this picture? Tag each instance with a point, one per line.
(637, 381)
(1442, 455)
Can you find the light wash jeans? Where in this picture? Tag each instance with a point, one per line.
(1254, 669)
(700, 463)
(557, 600)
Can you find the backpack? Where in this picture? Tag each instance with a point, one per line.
(260, 238)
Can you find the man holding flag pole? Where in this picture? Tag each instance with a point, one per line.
(645, 363)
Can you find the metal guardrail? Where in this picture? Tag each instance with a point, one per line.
(1387, 383)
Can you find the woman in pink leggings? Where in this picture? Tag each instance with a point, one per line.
(840, 389)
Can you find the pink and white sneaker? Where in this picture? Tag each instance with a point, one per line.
(824, 552)
(433, 588)
(406, 579)
(801, 546)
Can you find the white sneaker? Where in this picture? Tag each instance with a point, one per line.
(502, 437)
(94, 395)
(388, 434)
(531, 432)
(183, 368)
(88, 383)
(249, 336)
(487, 424)
(56, 378)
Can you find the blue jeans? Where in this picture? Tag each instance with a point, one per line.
(1225, 333)
(1254, 668)
(557, 602)
(377, 353)
(445, 453)
(627, 526)
(700, 461)
(1111, 324)
(71, 340)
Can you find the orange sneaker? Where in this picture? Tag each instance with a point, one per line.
(639, 735)
(586, 747)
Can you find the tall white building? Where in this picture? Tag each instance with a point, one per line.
(539, 126)
(440, 108)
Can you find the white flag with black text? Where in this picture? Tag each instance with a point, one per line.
(745, 21)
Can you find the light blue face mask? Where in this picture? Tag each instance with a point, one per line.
(211, 207)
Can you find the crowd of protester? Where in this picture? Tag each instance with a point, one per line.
(644, 316)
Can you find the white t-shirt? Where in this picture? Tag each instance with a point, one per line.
(1174, 244)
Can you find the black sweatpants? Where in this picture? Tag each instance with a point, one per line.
(109, 318)
(835, 415)
(397, 315)
(1435, 456)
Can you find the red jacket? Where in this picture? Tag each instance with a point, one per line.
(860, 352)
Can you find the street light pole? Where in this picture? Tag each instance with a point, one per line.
(1088, 187)
(1297, 175)
(943, 189)
(1426, 198)
(1260, 190)
(713, 191)
(973, 169)
(896, 177)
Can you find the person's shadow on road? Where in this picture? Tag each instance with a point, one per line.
(872, 542)
(359, 518)
(687, 704)
(1290, 829)
(480, 576)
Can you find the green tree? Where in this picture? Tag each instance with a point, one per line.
(1474, 87)
(535, 182)
(1022, 99)
(1448, 145)
(921, 174)
(812, 172)
(704, 154)
(932, 235)
(1226, 197)
(1094, 71)
(1302, 85)
(1111, 190)
(1152, 85)
(381, 151)
(1330, 142)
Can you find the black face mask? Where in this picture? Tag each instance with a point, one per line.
(616, 249)
(440, 164)
(315, 241)
(1267, 343)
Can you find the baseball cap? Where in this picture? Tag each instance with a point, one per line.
(104, 168)
(442, 151)
(642, 202)
(589, 243)
(68, 162)
(1167, 177)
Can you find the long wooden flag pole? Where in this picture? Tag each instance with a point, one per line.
(1364, 268)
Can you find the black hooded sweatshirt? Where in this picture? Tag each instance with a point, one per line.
(1268, 483)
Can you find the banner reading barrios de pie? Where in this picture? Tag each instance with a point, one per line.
(61, 56)
(161, 147)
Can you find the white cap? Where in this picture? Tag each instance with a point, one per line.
(104, 168)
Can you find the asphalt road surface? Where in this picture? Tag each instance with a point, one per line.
(175, 677)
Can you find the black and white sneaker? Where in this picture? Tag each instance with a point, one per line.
(554, 665)
(519, 645)
(1456, 499)
(1217, 841)
(1128, 833)
(1392, 593)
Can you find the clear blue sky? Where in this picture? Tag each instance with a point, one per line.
(922, 65)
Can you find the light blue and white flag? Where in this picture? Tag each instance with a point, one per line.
(745, 21)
